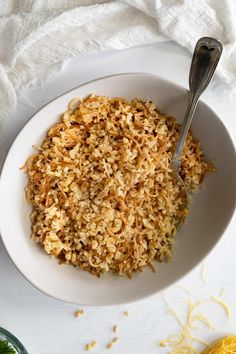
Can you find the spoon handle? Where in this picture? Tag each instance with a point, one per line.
(206, 56)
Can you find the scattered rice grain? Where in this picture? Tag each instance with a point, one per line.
(88, 347)
(115, 328)
(94, 344)
(109, 345)
(79, 313)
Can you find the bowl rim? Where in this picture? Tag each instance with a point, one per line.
(13, 340)
(138, 298)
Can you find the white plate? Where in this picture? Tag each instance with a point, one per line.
(211, 209)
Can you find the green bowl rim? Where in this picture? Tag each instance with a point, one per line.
(13, 340)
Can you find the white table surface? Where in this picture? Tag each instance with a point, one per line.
(47, 326)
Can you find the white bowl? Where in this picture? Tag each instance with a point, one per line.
(211, 208)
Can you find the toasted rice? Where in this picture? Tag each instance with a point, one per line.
(101, 189)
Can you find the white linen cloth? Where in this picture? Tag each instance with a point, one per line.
(38, 36)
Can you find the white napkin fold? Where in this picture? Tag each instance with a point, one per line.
(37, 36)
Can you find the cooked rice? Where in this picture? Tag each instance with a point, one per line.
(101, 189)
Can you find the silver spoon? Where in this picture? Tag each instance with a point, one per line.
(206, 56)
